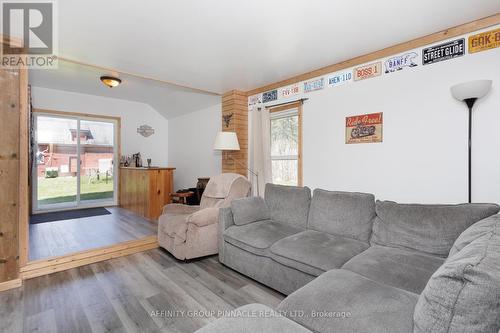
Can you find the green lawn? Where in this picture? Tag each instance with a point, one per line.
(63, 189)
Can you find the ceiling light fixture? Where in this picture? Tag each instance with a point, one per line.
(110, 81)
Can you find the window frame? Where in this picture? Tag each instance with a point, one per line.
(287, 110)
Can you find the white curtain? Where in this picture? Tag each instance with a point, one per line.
(260, 149)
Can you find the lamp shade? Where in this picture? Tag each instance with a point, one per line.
(226, 141)
(471, 89)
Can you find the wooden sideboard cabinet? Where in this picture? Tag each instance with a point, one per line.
(146, 191)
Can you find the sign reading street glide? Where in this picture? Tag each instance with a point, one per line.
(445, 51)
(367, 71)
(484, 41)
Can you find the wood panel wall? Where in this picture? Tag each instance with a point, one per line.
(10, 96)
(235, 102)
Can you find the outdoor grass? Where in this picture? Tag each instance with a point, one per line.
(63, 189)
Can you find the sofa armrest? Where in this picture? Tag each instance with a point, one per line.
(204, 217)
(225, 221)
(249, 210)
(179, 209)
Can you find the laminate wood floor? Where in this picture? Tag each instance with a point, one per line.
(128, 294)
(68, 236)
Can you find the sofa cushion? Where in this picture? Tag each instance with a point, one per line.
(463, 295)
(427, 228)
(253, 318)
(406, 269)
(343, 301)
(346, 214)
(473, 232)
(248, 210)
(315, 252)
(288, 204)
(257, 237)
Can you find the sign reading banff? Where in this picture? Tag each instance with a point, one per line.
(484, 41)
(445, 51)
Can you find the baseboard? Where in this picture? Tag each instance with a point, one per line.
(16, 283)
(61, 263)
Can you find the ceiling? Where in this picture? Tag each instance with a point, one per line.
(219, 45)
(169, 100)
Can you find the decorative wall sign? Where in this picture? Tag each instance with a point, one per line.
(445, 51)
(313, 85)
(270, 96)
(399, 62)
(365, 128)
(289, 91)
(227, 118)
(254, 99)
(484, 41)
(339, 79)
(368, 71)
(145, 130)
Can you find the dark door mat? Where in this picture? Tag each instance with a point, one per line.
(68, 215)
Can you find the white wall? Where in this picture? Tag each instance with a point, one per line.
(423, 157)
(133, 114)
(190, 146)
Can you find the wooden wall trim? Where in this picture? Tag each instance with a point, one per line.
(61, 263)
(395, 49)
(11, 284)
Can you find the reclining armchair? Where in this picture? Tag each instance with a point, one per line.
(191, 231)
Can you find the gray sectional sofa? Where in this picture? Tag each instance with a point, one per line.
(353, 264)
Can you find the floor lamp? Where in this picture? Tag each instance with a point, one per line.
(228, 141)
(469, 93)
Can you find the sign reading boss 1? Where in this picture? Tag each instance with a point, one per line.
(484, 41)
(368, 71)
(366, 128)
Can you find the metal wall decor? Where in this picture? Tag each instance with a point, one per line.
(145, 130)
(368, 71)
(227, 119)
(401, 61)
(366, 128)
(270, 96)
(445, 51)
(484, 41)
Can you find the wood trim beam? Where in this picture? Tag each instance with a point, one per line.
(395, 49)
(139, 76)
(75, 114)
(11, 284)
(61, 263)
(24, 195)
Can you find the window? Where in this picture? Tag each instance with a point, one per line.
(286, 145)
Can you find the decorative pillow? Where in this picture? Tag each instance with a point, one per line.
(427, 228)
(347, 214)
(475, 231)
(463, 295)
(288, 204)
(248, 210)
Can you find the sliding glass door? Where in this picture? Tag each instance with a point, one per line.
(75, 162)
